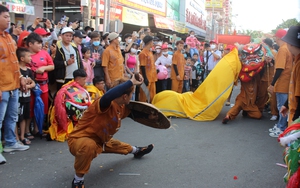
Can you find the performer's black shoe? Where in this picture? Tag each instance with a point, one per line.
(78, 184)
(141, 151)
(226, 119)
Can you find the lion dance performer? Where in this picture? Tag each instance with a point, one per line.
(69, 104)
(252, 58)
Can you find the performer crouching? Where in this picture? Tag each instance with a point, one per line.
(94, 131)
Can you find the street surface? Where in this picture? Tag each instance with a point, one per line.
(190, 154)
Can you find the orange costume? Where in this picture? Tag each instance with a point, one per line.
(179, 61)
(252, 58)
(93, 135)
(147, 60)
(294, 89)
(113, 60)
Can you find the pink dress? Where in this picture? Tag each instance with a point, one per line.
(89, 71)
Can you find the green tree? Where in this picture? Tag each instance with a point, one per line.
(286, 24)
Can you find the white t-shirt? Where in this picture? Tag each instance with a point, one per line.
(163, 60)
(211, 63)
(70, 68)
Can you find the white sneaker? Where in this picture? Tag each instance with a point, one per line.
(275, 134)
(2, 159)
(274, 129)
(16, 147)
(273, 118)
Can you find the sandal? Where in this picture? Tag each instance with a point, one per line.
(26, 141)
(29, 136)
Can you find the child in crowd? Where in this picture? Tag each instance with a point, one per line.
(187, 81)
(88, 64)
(41, 64)
(24, 58)
(195, 78)
(97, 89)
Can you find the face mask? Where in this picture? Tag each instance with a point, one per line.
(133, 50)
(129, 40)
(157, 51)
(96, 43)
(170, 52)
(89, 32)
(164, 53)
(119, 39)
(108, 42)
(102, 43)
(83, 41)
(213, 46)
(192, 36)
(185, 57)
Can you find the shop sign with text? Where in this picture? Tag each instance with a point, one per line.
(152, 6)
(195, 14)
(135, 17)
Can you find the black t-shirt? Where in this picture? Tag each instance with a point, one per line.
(25, 97)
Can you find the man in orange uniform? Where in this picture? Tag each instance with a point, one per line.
(112, 60)
(281, 80)
(94, 132)
(178, 63)
(147, 68)
(292, 38)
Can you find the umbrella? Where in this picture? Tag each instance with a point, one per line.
(38, 108)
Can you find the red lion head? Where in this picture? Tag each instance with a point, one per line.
(252, 58)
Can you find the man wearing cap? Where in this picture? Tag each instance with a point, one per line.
(292, 39)
(166, 60)
(147, 68)
(281, 80)
(211, 56)
(112, 60)
(67, 58)
(77, 39)
(177, 73)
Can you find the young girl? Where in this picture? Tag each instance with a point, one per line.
(88, 64)
(131, 63)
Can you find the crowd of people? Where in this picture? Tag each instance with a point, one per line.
(64, 61)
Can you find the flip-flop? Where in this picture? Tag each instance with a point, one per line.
(29, 136)
(26, 141)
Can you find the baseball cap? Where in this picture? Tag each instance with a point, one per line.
(213, 41)
(67, 30)
(293, 36)
(112, 36)
(164, 46)
(79, 34)
(42, 32)
(280, 33)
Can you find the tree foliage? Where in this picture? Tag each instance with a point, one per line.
(286, 24)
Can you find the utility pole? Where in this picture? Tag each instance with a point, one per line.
(106, 17)
(97, 20)
(212, 21)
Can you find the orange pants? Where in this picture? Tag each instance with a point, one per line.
(86, 149)
(152, 90)
(273, 104)
(177, 85)
(252, 111)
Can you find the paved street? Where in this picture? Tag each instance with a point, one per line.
(188, 155)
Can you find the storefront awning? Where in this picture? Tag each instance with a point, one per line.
(19, 6)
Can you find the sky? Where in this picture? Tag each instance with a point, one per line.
(263, 15)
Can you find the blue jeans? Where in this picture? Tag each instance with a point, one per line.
(281, 98)
(9, 115)
(194, 51)
(186, 86)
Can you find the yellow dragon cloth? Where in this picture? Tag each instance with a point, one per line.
(207, 101)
